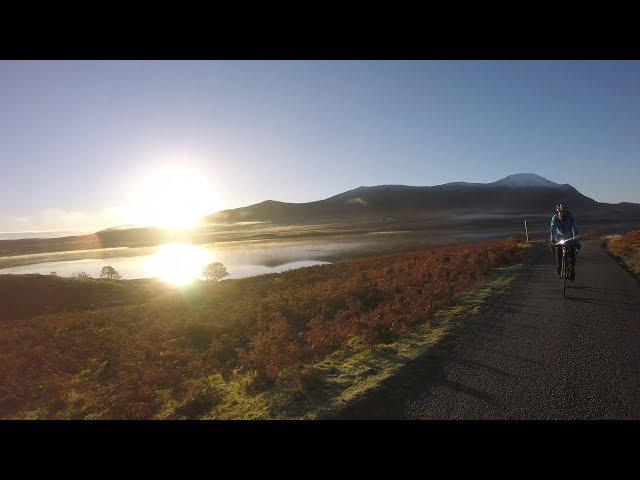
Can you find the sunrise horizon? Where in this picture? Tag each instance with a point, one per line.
(249, 128)
(319, 240)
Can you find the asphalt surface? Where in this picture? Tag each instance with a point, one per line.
(534, 354)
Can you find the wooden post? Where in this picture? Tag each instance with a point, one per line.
(526, 232)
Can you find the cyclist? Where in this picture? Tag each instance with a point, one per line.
(563, 227)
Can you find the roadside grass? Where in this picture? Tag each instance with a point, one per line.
(299, 344)
(349, 373)
(354, 371)
(360, 369)
(626, 249)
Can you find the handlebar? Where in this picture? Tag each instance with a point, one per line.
(568, 242)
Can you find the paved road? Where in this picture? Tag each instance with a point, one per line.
(535, 355)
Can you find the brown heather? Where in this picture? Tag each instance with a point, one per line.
(137, 349)
(627, 249)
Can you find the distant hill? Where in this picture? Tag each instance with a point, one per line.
(514, 194)
(108, 238)
(480, 207)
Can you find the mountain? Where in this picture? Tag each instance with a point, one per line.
(515, 194)
(479, 207)
(520, 180)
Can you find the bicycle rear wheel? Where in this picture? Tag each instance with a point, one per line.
(564, 275)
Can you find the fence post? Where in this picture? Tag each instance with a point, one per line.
(526, 232)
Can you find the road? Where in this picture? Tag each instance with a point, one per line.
(533, 354)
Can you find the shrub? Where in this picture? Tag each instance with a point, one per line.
(626, 243)
(159, 353)
(215, 272)
(630, 239)
(513, 241)
(627, 248)
(110, 273)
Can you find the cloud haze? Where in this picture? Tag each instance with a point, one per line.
(60, 219)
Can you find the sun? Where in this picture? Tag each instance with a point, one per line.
(174, 197)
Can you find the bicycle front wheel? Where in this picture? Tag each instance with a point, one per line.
(564, 275)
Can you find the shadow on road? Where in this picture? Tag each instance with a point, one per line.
(531, 353)
(390, 401)
(625, 306)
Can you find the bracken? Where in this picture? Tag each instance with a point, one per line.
(141, 350)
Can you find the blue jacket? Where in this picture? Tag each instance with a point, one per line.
(563, 229)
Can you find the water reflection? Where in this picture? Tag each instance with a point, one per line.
(178, 263)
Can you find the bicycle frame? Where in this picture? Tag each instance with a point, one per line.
(565, 270)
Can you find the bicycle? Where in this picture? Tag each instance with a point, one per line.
(567, 268)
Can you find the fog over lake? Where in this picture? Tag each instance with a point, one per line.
(42, 234)
(240, 258)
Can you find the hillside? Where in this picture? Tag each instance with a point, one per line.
(289, 345)
(515, 194)
(474, 207)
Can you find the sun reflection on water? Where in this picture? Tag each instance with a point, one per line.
(178, 263)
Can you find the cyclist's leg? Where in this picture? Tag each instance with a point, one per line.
(558, 259)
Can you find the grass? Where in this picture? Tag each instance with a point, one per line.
(626, 248)
(24, 296)
(355, 370)
(299, 344)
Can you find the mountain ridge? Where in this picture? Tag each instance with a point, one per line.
(516, 193)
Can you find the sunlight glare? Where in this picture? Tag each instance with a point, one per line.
(178, 263)
(174, 197)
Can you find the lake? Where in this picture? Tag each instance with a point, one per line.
(179, 263)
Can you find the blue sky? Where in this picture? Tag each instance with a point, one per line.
(75, 136)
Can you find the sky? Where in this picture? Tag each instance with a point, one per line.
(77, 137)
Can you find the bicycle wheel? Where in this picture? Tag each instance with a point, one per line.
(564, 274)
